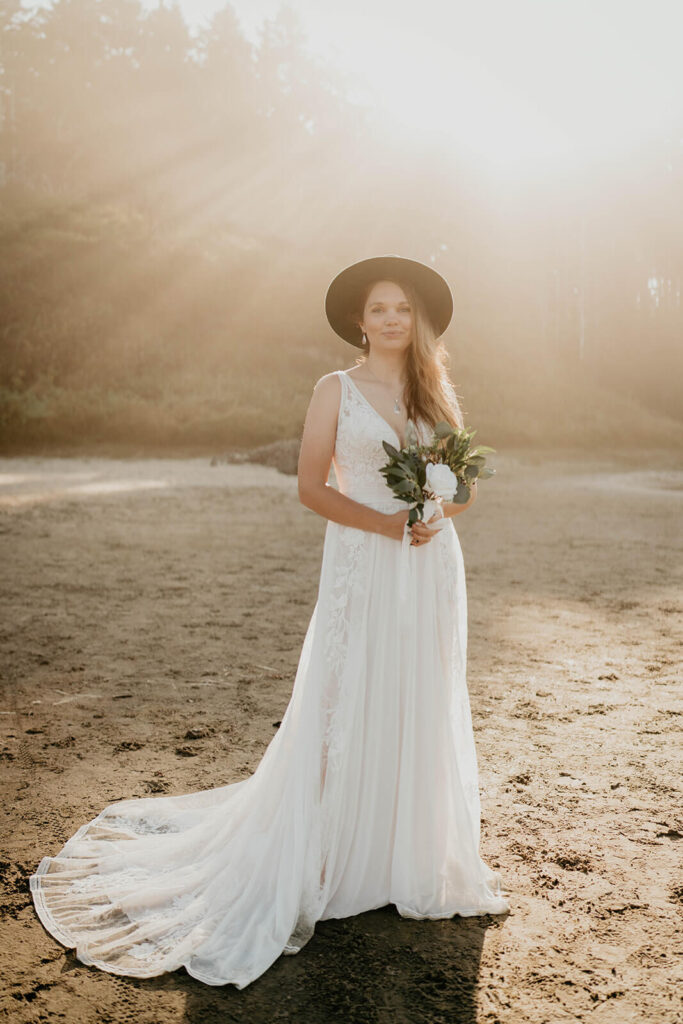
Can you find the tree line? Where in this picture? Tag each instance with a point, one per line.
(172, 207)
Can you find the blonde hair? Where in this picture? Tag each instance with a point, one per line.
(430, 393)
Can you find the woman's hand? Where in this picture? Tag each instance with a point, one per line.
(394, 524)
(395, 527)
(422, 534)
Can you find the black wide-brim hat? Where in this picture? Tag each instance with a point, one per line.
(344, 292)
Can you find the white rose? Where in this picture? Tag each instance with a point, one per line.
(441, 481)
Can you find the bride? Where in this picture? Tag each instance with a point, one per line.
(368, 793)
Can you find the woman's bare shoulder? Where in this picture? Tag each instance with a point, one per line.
(328, 381)
(324, 406)
(326, 396)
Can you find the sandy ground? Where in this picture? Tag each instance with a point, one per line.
(153, 613)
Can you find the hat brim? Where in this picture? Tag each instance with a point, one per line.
(345, 290)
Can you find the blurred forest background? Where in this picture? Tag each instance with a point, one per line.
(174, 205)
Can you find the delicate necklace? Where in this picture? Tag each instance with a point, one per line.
(397, 405)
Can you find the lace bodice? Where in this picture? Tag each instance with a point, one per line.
(358, 453)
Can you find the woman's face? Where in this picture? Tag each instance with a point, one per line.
(387, 317)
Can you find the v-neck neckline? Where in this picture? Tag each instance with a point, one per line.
(367, 401)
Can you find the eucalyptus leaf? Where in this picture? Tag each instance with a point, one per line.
(486, 472)
(390, 450)
(404, 487)
(462, 495)
(442, 429)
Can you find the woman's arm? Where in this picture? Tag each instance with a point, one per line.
(451, 509)
(315, 460)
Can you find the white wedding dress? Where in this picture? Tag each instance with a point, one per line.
(366, 795)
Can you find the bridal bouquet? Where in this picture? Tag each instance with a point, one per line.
(424, 476)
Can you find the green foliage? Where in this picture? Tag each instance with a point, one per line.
(406, 470)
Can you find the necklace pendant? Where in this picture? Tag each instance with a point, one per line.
(397, 407)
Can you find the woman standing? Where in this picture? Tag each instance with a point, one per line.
(368, 793)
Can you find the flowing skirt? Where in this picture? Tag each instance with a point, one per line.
(366, 795)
